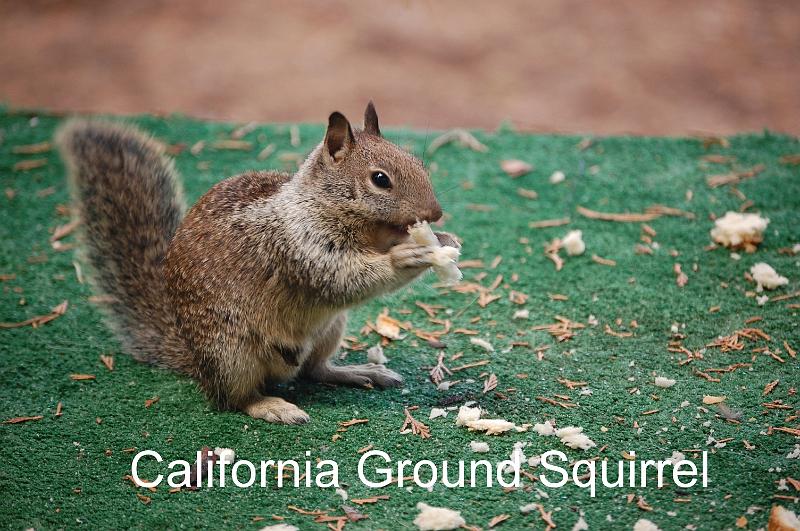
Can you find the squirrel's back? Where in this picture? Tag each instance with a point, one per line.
(128, 198)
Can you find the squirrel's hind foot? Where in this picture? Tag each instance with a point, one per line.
(368, 375)
(275, 409)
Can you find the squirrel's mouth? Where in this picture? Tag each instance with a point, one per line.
(398, 230)
(389, 234)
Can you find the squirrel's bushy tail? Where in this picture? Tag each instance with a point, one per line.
(129, 200)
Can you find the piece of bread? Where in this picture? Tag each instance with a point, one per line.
(445, 259)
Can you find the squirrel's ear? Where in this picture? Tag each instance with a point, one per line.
(371, 120)
(339, 136)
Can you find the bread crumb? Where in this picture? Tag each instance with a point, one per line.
(466, 414)
(280, 527)
(766, 277)
(225, 455)
(437, 518)
(342, 493)
(664, 382)
(375, 355)
(479, 447)
(437, 412)
(482, 343)
(580, 525)
(783, 519)
(470, 417)
(521, 314)
(573, 437)
(557, 177)
(573, 243)
(739, 231)
(643, 524)
(445, 259)
(545, 428)
(676, 457)
(490, 426)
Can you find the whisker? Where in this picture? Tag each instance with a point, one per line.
(425, 144)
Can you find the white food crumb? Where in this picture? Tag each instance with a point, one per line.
(342, 493)
(676, 457)
(557, 177)
(521, 314)
(437, 412)
(545, 428)
(761, 300)
(573, 437)
(735, 229)
(375, 355)
(517, 456)
(280, 527)
(445, 258)
(580, 525)
(470, 417)
(525, 509)
(482, 343)
(664, 382)
(437, 518)
(794, 454)
(467, 414)
(479, 447)
(490, 426)
(766, 277)
(573, 243)
(225, 455)
(643, 524)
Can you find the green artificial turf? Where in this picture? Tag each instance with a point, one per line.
(67, 471)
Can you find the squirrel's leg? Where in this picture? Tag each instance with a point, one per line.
(319, 367)
(233, 388)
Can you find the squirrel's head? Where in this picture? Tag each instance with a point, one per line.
(364, 174)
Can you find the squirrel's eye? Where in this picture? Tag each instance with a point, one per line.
(381, 180)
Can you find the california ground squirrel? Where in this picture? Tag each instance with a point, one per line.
(252, 286)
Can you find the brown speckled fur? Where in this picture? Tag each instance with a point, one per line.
(252, 287)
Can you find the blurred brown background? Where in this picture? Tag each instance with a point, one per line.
(603, 66)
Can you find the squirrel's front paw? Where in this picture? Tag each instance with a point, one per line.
(447, 240)
(411, 255)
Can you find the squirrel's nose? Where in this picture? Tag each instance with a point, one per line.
(432, 213)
